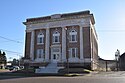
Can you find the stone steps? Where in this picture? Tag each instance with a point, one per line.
(50, 68)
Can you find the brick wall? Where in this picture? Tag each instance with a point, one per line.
(27, 44)
(86, 42)
(39, 46)
(74, 44)
(52, 30)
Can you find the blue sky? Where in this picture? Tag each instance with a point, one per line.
(109, 17)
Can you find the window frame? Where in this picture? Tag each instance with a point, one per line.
(56, 37)
(71, 53)
(40, 38)
(71, 34)
(40, 54)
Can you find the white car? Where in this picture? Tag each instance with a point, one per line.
(14, 68)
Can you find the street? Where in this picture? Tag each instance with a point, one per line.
(103, 77)
(65, 80)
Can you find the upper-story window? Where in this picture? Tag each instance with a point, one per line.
(73, 36)
(56, 36)
(40, 38)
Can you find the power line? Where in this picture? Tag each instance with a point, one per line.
(13, 52)
(110, 31)
(10, 39)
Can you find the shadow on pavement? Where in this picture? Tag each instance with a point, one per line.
(13, 75)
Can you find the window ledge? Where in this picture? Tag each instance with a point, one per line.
(72, 41)
(40, 43)
(56, 42)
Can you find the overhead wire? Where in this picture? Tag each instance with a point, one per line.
(13, 52)
(10, 39)
(110, 30)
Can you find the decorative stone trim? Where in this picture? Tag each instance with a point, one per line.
(32, 45)
(81, 43)
(39, 60)
(51, 20)
(47, 45)
(63, 54)
(87, 60)
(62, 23)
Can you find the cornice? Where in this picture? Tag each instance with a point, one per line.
(59, 19)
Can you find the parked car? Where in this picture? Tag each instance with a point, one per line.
(21, 67)
(8, 66)
(15, 68)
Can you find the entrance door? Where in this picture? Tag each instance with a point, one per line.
(55, 54)
(55, 57)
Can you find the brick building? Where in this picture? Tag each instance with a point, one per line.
(62, 38)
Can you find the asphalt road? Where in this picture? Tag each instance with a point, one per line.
(81, 79)
(109, 77)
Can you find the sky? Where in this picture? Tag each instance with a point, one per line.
(109, 17)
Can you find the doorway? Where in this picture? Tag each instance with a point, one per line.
(55, 54)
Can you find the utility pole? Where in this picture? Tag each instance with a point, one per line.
(67, 38)
(19, 57)
(106, 65)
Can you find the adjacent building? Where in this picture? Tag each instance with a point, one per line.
(121, 62)
(62, 38)
(107, 65)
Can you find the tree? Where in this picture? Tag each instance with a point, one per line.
(0, 52)
(3, 58)
(15, 62)
(22, 60)
(4, 54)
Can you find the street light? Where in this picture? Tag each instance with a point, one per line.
(117, 54)
(68, 51)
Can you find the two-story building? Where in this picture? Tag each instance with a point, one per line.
(62, 38)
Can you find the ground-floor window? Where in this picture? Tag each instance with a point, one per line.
(40, 53)
(73, 52)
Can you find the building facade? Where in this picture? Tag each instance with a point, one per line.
(107, 65)
(62, 38)
(121, 62)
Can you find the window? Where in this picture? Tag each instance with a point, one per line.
(56, 36)
(73, 36)
(40, 38)
(40, 53)
(73, 52)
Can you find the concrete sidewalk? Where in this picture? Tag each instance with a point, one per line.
(4, 70)
(109, 74)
